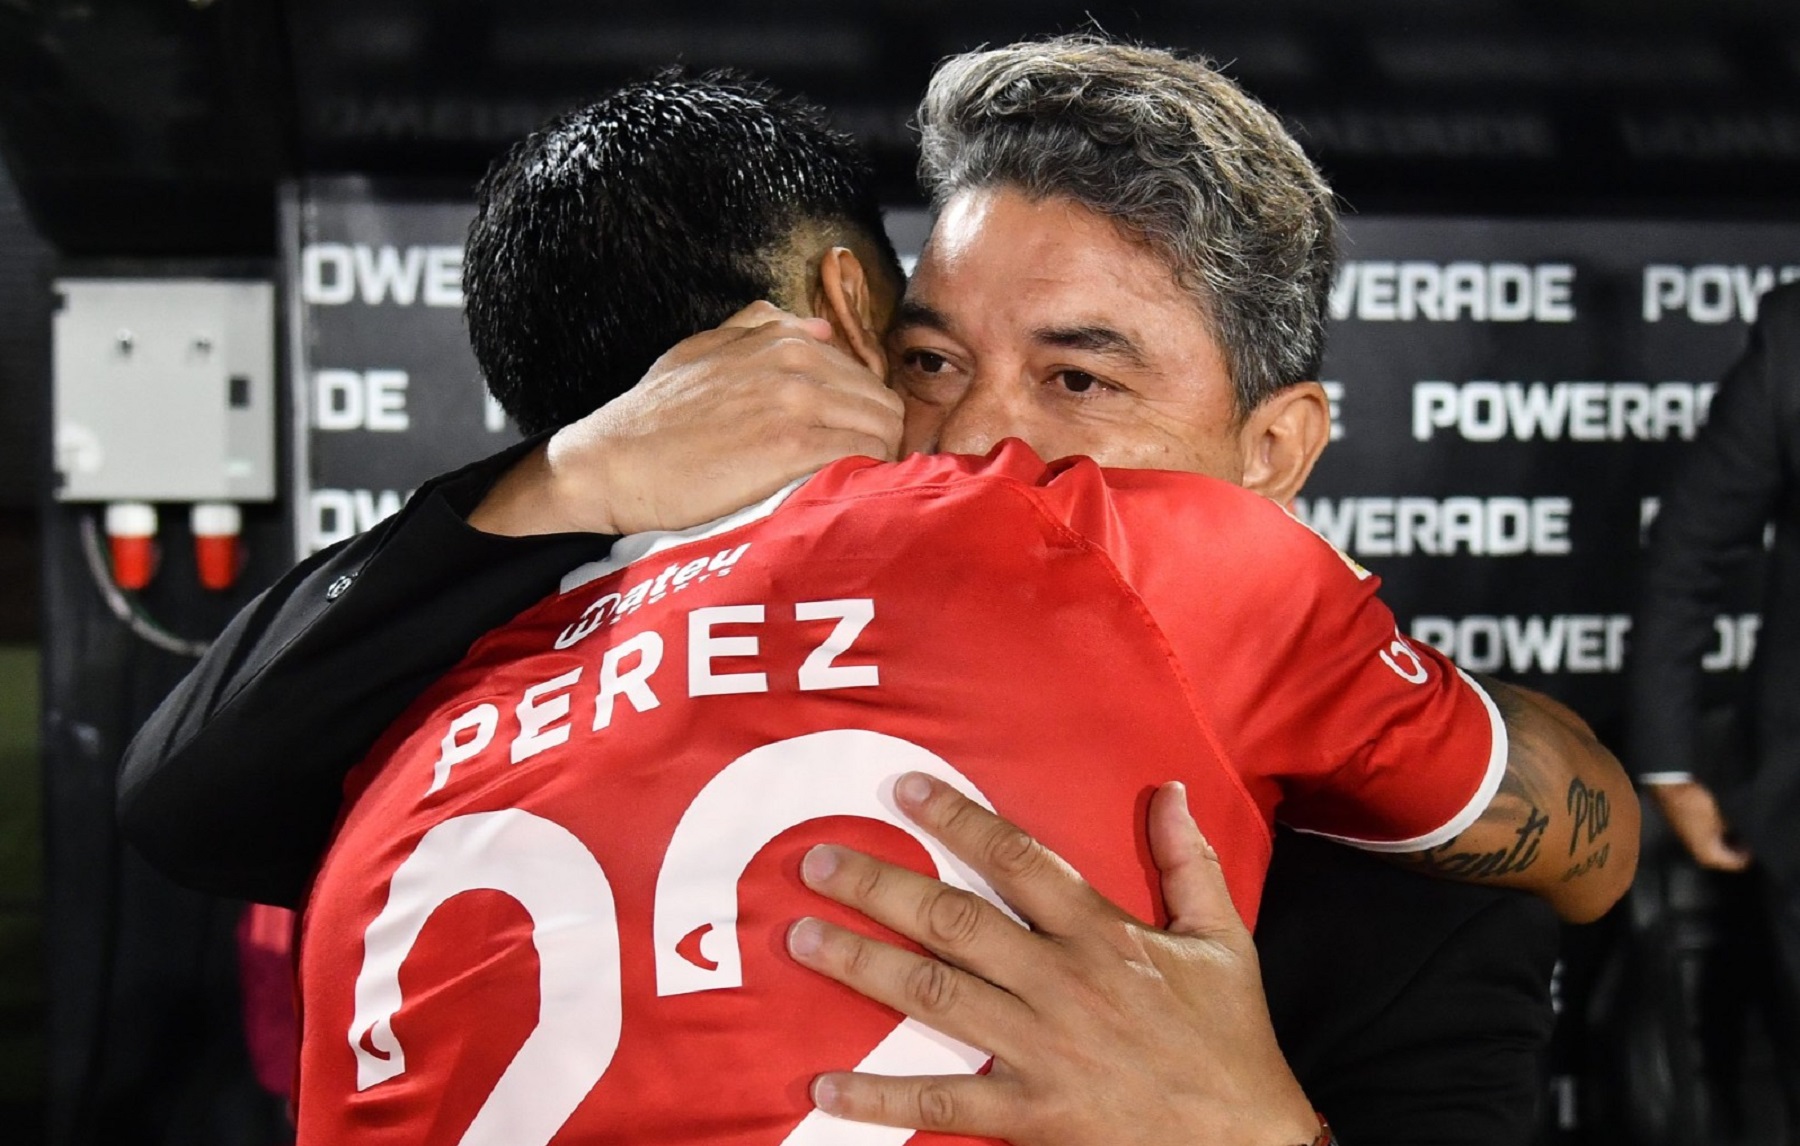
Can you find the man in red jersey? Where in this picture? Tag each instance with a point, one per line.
(587, 834)
(627, 775)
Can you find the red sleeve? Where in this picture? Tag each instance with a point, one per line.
(1319, 702)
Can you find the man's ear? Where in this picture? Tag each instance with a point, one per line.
(1282, 439)
(841, 295)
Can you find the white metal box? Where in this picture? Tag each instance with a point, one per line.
(165, 390)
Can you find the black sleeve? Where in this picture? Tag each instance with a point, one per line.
(1414, 1011)
(1714, 510)
(233, 785)
(1458, 1060)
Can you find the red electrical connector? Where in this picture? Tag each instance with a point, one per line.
(131, 529)
(216, 525)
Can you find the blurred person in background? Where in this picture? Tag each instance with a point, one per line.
(1735, 815)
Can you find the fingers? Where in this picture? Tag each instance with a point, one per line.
(942, 997)
(762, 313)
(978, 1105)
(1714, 852)
(1693, 811)
(1034, 880)
(1193, 882)
(1723, 859)
(958, 925)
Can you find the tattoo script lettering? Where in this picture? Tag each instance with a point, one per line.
(1592, 813)
(1594, 862)
(1490, 865)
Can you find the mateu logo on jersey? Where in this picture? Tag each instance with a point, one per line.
(676, 577)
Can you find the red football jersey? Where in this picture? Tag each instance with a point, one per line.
(555, 908)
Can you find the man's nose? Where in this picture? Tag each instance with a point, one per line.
(981, 418)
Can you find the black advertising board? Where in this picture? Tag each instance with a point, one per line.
(1508, 396)
(384, 388)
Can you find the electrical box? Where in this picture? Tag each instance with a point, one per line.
(165, 390)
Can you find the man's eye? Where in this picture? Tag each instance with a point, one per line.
(1078, 381)
(925, 362)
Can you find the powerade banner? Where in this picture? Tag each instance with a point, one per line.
(1507, 397)
(384, 388)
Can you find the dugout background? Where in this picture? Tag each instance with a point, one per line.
(1560, 216)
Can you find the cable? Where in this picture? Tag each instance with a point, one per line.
(122, 606)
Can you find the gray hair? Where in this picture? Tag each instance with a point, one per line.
(1174, 153)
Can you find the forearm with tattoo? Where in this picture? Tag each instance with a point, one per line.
(1563, 812)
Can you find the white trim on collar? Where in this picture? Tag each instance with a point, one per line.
(637, 546)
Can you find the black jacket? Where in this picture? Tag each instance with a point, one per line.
(1741, 472)
(1414, 1011)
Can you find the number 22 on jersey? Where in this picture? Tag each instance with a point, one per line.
(560, 885)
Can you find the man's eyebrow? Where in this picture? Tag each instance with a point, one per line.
(913, 313)
(1096, 339)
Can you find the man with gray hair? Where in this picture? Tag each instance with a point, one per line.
(1130, 263)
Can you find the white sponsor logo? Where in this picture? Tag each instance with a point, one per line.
(613, 607)
(334, 274)
(1578, 411)
(1710, 293)
(1453, 292)
(1573, 643)
(1401, 526)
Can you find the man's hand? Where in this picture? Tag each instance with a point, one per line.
(1104, 1031)
(722, 421)
(1693, 812)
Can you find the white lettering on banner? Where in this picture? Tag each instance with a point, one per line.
(338, 514)
(1736, 643)
(1334, 400)
(335, 274)
(1378, 291)
(360, 400)
(1572, 643)
(1710, 293)
(1578, 411)
(1401, 526)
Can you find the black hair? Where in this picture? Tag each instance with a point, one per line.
(620, 228)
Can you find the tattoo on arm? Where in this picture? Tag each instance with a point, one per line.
(1591, 811)
(1445, 859)
(1518, 803)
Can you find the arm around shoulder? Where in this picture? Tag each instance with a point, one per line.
(233, 784)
